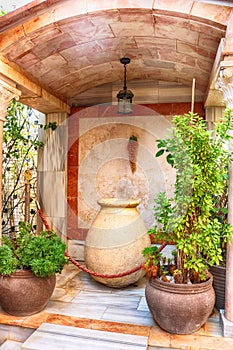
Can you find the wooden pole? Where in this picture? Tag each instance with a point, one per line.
(193, 95)
(27, 176)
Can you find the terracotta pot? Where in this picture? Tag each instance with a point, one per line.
(180, 308)
(219, 284)
(23, 294)
(115, 241)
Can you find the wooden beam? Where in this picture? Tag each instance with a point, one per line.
(33, 94)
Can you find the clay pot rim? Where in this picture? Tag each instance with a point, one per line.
(218, 267)
(118, 202)
(21, 273)
(181, 288)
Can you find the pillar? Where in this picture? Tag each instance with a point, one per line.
(52, 174)
(213, 115)
(225, 84)
(7, 93)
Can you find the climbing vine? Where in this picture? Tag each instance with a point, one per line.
(20, 148)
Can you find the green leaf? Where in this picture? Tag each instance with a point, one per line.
(170, 159)
(159, 153)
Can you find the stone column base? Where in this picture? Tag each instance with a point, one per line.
(227, 326)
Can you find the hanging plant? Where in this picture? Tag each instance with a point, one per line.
(133, 151)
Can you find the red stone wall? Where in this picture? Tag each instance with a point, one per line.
(73, 231)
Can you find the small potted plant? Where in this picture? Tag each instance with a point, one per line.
(28, 266)
(179, 293)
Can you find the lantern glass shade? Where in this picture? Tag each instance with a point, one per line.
(125, 101)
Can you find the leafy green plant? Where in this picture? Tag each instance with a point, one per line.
(133, 138)
(190, 218)
(43, 253)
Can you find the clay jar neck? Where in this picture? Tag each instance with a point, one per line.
(118, 203)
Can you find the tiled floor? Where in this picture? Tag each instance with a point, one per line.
(81, 302)
(52, 336)
(96, 301)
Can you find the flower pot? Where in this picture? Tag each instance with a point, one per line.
(23, 294)
(219, 284)
(180, 308)
(115, 241)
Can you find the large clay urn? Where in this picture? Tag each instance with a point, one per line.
(24, 294)
(180, 308)
(115, 241)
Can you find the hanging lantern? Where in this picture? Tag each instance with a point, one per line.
(125, 96)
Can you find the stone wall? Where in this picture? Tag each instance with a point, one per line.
(98, 161)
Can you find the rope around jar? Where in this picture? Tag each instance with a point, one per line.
(84, 268)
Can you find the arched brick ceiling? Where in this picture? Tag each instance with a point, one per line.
(74, 53)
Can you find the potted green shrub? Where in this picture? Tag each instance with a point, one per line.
(179, 293)
(28, 266)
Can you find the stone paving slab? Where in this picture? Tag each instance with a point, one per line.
(11, 345)
(159, 348)
(196, 342)
(59, 337)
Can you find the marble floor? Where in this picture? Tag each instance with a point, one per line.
(81, 302)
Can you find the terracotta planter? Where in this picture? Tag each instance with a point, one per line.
(115, 241)
(180, 308)
(23, 294)
(219, 284)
